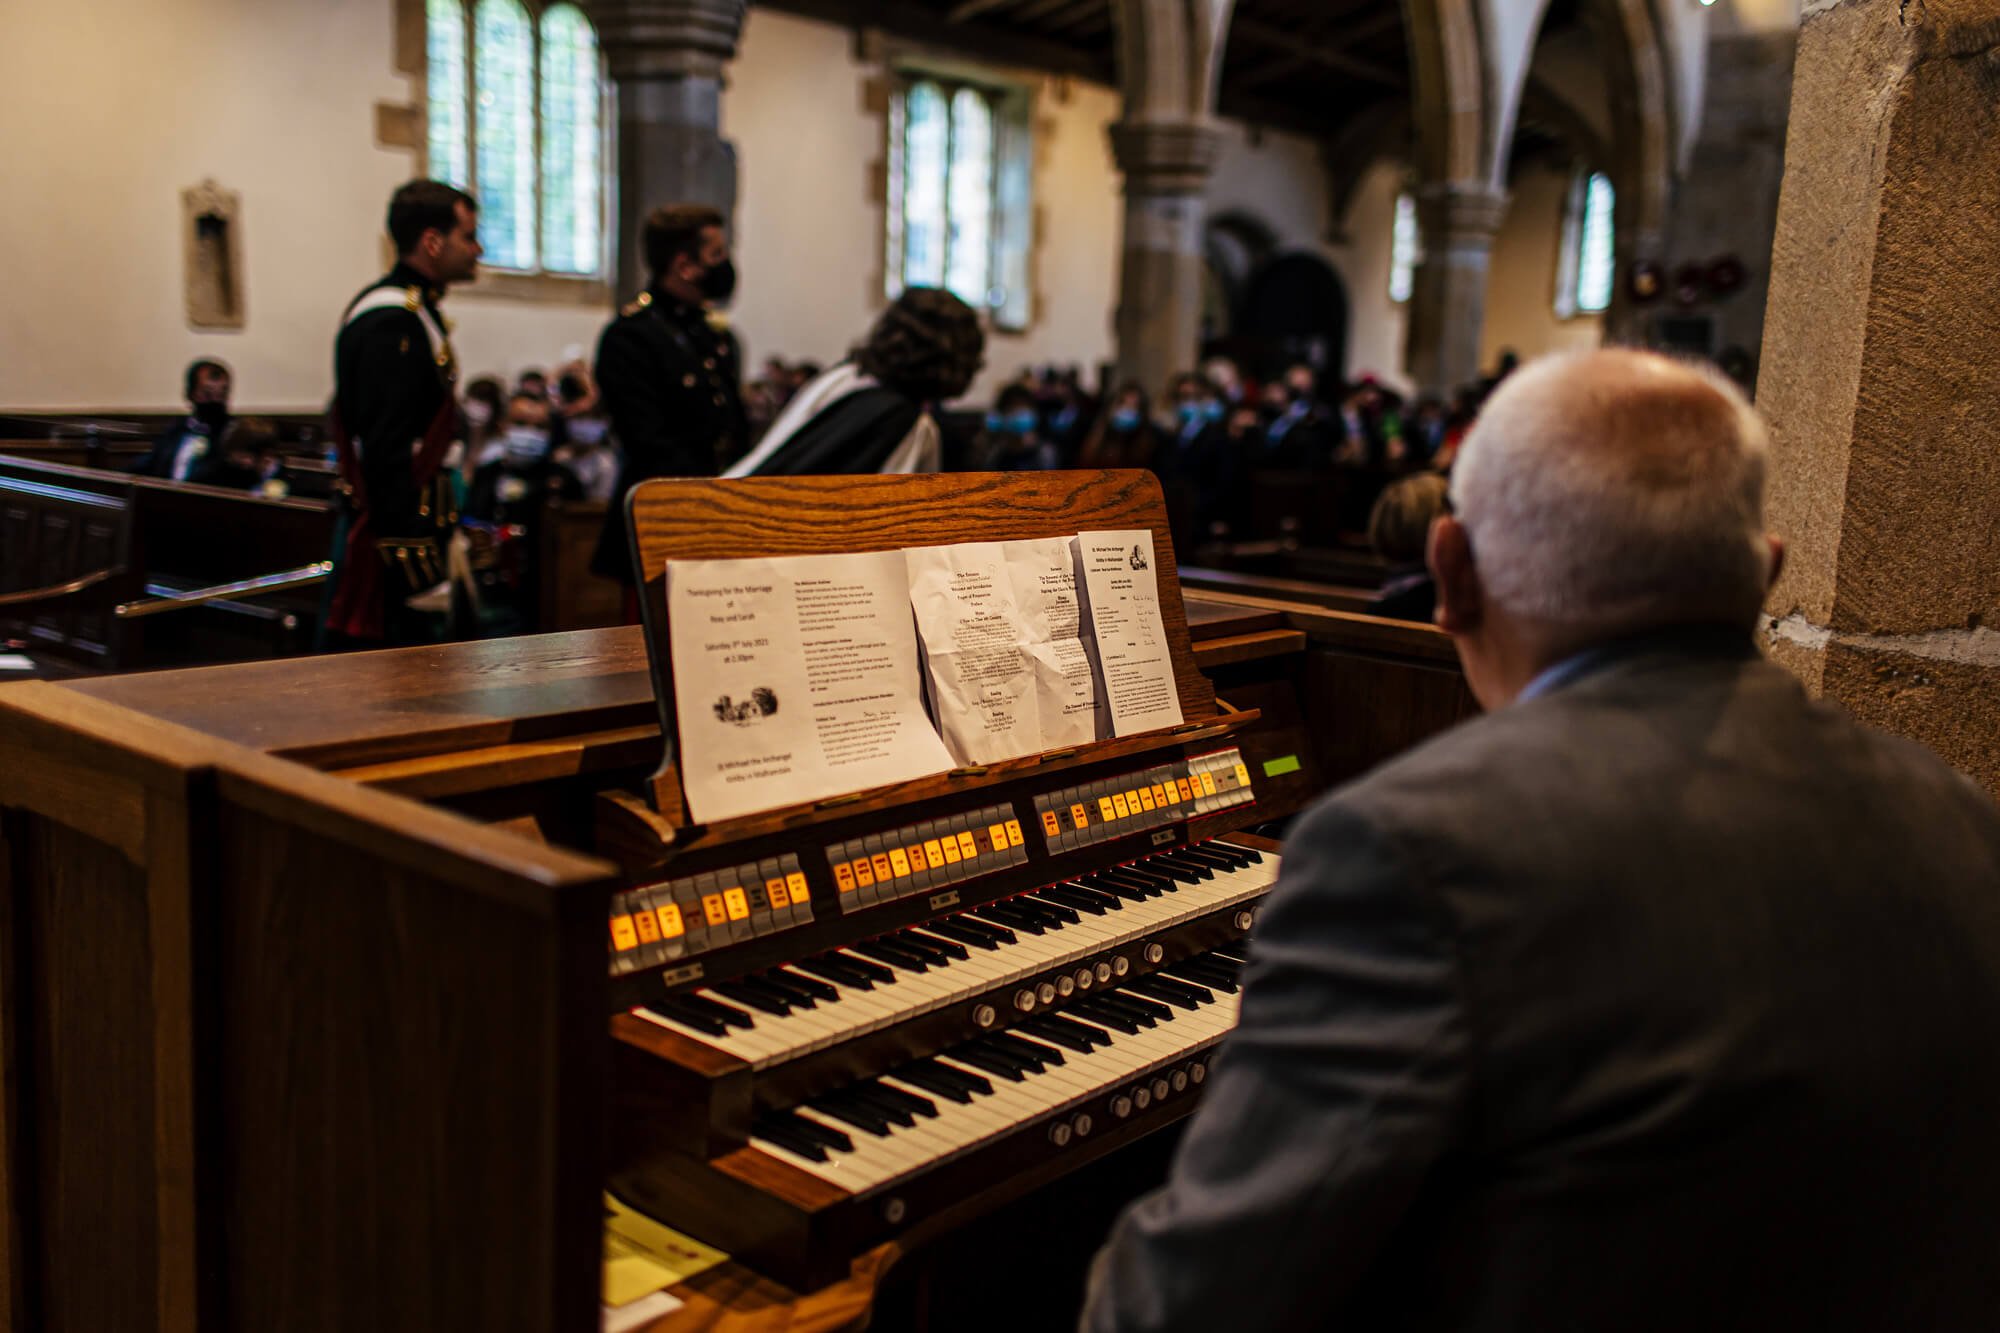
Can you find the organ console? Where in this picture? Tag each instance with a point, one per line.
(419, 952)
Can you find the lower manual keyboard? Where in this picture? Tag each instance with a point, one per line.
(935, 1140)
(792, 1011)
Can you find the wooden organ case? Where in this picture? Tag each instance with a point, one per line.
(308, 981)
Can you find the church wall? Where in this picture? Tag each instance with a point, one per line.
(134, 101)
(1521, 284)
(1377, 327)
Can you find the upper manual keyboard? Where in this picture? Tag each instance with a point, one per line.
(1092, 922)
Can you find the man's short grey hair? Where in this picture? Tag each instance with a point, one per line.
(1617, 490)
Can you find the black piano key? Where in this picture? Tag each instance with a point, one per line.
(1111, 879)
(1026, 1049)
(891, 955)
(908, 1100)
(803, 992)
(671, 1007)
(873, 971)
(1164, 883)
(959, 1078)
(934, 1083)
(872, 1097)
(1001, 914)
(1103, 898)
(851, 1113)
(1064, 1037)
(1128, 892)
(1201, 870)
(1077, 900)
(753, 998)
(1214, 978)
(1095, 1035)
(950, 948)
(1175, 870)
(1153, 988)
(990, 1061)
(1106, 1016)
(997, 933)
(1238, 960)
(836, 970)
(1062, 911)
(1148, 1012)
(797, 1124)
(1220, 860)
(794, 1140)
(965, 934)
(934, 954)
(715, 1008)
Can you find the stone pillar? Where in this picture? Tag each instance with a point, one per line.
(1447, 312)
(1881, 374)
(1166, 167)
(667, 58)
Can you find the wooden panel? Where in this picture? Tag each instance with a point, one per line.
(393, 1079)
(572, 596)
(86, 1083)
(1362, 710)
(365, 708)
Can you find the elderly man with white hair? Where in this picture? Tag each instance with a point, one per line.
(1659, 998)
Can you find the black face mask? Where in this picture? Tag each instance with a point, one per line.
(718, 282)
(212, 415)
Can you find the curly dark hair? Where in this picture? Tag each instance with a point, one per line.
(927, 345)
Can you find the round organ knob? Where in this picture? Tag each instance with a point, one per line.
(984, 1016)
(1024, 1000)
(894, 1211)
(1197, 1072)
(1142, 1096)
(1045, 993)
(1179, 1080)
(1065, 985)
(1082, 1124)
(1121, 1106)
(1085, 978)
(1104, 972)
(1160, 1089)
(1154, 953)
(1245, 919)
(1059, 1133)
(1121, 965)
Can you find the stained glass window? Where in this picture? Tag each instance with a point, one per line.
(449, 138)
(516, 117)
(1405, 250)
(572, 139)
(1596, 244)
(958, 195)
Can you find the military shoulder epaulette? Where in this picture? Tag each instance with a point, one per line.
(645, 300)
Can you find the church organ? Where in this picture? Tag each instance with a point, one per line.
(320, 1022)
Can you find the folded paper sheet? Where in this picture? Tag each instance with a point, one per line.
(1122, 589)
(1000, 624)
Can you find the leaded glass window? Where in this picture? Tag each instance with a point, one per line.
(516, 118)
(1405, 250)
(958, 209)
(1595, 259)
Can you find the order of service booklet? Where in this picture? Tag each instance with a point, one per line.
(805, 677)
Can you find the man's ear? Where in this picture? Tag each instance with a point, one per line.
(1460, 601)
(1777, 545)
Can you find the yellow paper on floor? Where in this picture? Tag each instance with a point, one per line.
(642, 1256)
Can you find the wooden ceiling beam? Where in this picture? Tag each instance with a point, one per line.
(916, 23)
(1259, 33)
(967, 10)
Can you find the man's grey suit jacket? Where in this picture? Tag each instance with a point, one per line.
(1667, 1001)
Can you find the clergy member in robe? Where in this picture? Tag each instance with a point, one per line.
(876, 411)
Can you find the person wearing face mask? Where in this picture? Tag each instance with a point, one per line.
(1123, 436)
(1013, 439)
(503, 517)
(669, 371)
(395, 419)
(189, 450)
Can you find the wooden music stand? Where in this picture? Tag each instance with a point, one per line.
(792, 516)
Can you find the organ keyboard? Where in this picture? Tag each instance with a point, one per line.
(861, 1019)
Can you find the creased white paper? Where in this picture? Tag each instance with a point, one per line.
(1122, 590)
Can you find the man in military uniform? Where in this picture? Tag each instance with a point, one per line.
(669, 371)
(395, 416)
